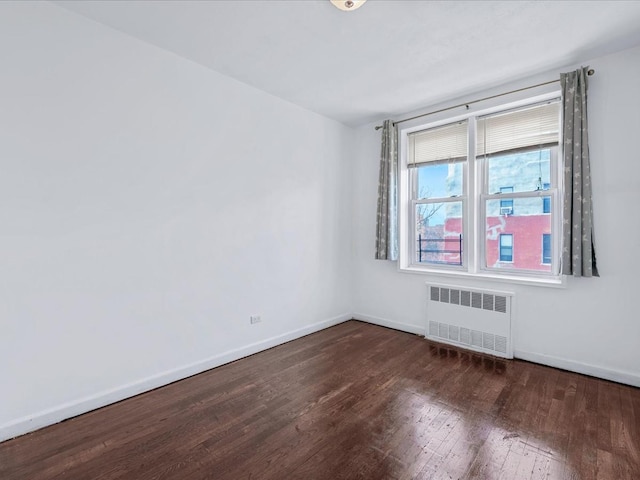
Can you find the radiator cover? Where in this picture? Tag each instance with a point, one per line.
(471, 318)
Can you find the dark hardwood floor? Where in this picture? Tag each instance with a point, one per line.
(352, 401)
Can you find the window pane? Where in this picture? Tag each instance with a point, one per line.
(439, 180)
(439, 233)
(546, 248)
(522, 171)
(506, 247)
(546, 201)
(517, 234)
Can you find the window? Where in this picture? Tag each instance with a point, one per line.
(473, 186)
(506, 206)
(546, 201)
(506, 247)
(436, 158)
(546, 248)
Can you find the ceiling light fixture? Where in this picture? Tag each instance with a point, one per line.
(347, 5)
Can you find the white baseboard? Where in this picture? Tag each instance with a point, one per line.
(71, 409)
(578, 367)
(404, 327)
(626, 378)
(58, 413)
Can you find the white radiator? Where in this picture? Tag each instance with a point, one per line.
(471, 318)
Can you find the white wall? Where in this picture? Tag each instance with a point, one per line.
(592, 326)
(148, 206)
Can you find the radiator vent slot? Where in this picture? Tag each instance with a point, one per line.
(465, 298)
(435, 294)
(486, 301)
(443, 330)
(501, 304)
(476, 338)
(476, 300)
(488, 341)
(433, 328)
(475, 319)
(455, 297)
(465, 335)
(444, 295)
(454, 333)
(501, 344)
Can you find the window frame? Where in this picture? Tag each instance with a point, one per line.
(473, 177)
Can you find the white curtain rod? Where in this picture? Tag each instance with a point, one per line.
(378, 127)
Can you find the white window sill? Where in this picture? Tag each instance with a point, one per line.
(550, 281)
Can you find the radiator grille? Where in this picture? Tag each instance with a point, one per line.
(479, 320)
(486, 301)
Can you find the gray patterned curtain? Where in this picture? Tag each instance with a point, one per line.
(578, 252)
(387, 224)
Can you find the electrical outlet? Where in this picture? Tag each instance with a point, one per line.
(255, 319)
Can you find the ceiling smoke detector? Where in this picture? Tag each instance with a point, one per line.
(347, 5)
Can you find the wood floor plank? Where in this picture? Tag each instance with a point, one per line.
(352, 401)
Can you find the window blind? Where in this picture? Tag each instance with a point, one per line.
(438, 144)
(527, 127)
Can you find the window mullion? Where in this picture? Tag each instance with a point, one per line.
(472, 214)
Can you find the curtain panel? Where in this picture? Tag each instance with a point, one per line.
(578, 250)
(387, 215)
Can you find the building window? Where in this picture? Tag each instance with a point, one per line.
(546, 201)
(506, 205)
(467, 181)
(546, 248)
(506, 247)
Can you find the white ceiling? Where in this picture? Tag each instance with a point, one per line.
(388, 57)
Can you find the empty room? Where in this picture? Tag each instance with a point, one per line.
(319, 239)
